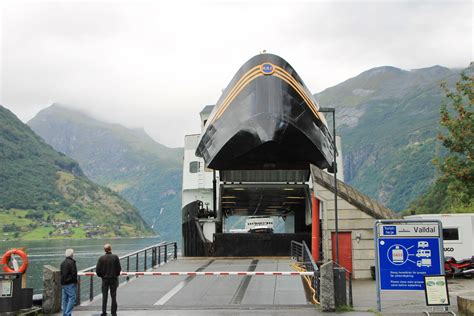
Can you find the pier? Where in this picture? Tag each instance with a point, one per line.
(155, 279)
(212, 291)
(228, 286)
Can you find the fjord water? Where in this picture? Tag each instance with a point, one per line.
(87, 251)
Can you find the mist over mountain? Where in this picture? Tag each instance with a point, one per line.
(128, 161)
(388, 119)
(45, 194)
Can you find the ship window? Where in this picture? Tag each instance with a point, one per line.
(450, 234)
(194, 166)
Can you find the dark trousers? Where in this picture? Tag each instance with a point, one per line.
(111, 284)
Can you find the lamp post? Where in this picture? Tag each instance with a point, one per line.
(334, 165)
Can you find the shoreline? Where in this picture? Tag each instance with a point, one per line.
(91, 238)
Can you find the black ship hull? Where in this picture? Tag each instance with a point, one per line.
(266, 119)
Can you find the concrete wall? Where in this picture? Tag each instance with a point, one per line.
(350, 219)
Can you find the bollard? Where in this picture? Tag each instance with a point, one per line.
(51, 290)
(340, 297)
(327, 287)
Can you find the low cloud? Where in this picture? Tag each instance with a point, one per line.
(155, 66)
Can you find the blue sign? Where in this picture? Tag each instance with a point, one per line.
(405, 261)
(390, 230)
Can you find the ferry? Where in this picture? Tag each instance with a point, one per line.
(259, 224)
(252, 160)
(266, 118)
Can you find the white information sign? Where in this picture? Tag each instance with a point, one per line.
(436, 290)
(6, 288)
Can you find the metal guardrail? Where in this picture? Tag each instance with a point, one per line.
(300, 252)
(141, 260)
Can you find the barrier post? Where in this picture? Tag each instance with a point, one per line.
(128, 268)
(136, 264)
(175, 251)
(144, 262)
(166, 253)
(159, 255)
(78, 292)
(91, 288)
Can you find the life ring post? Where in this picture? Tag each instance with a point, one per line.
(8, 256)
(23, 275)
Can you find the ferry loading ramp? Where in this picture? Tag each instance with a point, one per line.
(183, 293)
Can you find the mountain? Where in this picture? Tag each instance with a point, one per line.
(128, 161)
(43, 193)
(388, 120)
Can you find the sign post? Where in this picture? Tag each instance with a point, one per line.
(406, 251)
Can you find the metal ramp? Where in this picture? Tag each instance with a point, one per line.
(212, 292)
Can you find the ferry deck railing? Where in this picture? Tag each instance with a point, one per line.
(141, 260)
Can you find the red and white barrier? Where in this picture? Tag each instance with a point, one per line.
(208, 273)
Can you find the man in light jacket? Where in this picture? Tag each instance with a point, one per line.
(68, 282)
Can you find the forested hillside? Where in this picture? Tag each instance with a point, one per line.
(388, 120)
(45, 194)
(453, 190)
(128, 161)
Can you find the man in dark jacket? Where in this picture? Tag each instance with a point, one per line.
(108, 268)
(68, 282)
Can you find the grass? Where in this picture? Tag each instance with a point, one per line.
(16, 218)
(344, 308)
(61, 216)
(37, 233)
(78, 232)
(377, 313)
(27, 230)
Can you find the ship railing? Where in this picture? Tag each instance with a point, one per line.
(142, 260)
(302, 255)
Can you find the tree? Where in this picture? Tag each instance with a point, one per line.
(457, 167)
(453, 191)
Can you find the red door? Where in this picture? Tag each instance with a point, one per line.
(345, 249)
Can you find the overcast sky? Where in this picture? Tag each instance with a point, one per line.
(156, 65)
